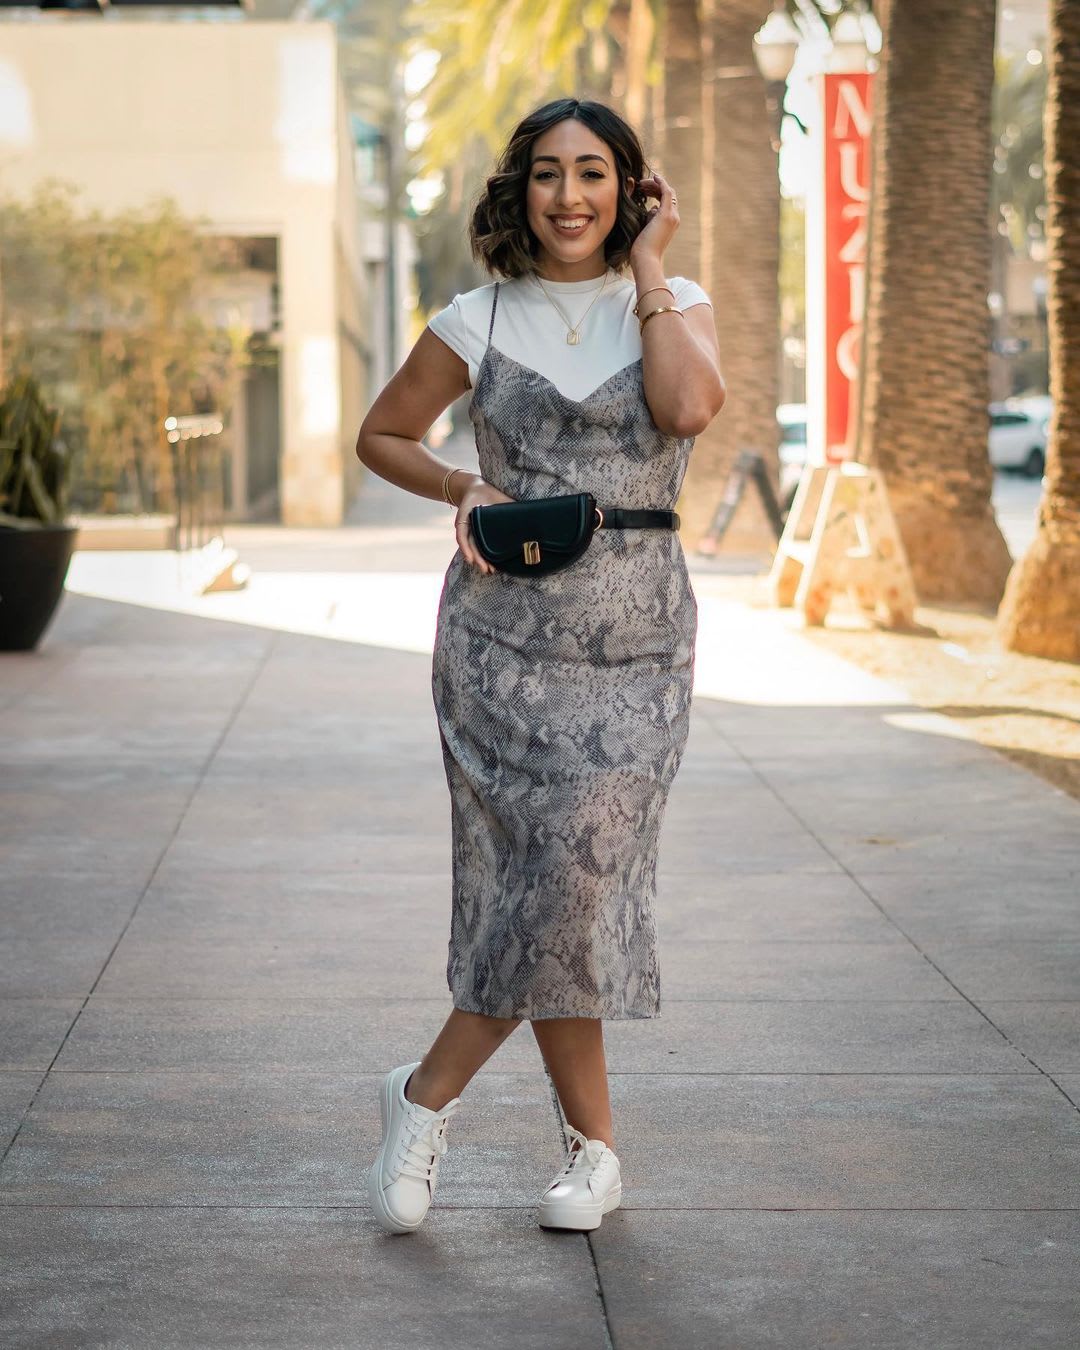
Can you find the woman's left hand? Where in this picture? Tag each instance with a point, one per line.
(659, 230)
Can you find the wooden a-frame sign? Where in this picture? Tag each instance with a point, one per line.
(841, 537)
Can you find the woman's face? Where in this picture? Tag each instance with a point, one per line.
(572, 178)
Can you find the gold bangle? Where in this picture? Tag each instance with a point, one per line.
(660, 309)
(645, 293)
(446, 486)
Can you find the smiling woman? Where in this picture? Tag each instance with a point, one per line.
(562, 697)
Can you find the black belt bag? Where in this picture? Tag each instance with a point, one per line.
(532, 538)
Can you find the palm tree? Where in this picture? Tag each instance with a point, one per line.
(716, 150)
(926, 380)
(1040, 612)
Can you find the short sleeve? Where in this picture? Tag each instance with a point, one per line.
(688, 292)
(449, 324)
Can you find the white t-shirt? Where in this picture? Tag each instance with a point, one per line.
(530, 330)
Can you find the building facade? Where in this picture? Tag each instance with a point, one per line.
(244, 126)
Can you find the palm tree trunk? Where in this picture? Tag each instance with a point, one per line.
(678, 129)
(927, 375)
(633, 24)
(717, 153)
(1040, 613)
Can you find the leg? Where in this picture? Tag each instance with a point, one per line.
(573, 1050)
(465, 1042)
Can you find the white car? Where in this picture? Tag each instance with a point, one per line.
(1018, 432)
(792, 419)
(1018, 437)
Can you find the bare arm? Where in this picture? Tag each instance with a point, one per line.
(680, 361)
(389, 441)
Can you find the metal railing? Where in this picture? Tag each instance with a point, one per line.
(199, 466)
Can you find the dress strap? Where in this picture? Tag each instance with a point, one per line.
(494, 302)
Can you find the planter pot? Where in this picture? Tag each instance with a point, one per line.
(33, 565)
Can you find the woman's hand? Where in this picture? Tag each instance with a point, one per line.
(478, 492)
(659, 230)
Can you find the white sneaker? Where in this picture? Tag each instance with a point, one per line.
(589, 1185)
(402, 1179)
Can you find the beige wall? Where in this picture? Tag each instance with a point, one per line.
(242, 123)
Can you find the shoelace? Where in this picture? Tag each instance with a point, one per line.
(592, 1149)
(427, 1144)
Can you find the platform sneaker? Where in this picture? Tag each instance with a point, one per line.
(402, 1179)
(587, 1187)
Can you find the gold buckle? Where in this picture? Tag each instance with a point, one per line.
(599, 518)
(531, 550)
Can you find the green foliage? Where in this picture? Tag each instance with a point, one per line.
(480, 87)
(1018, 185)
(34, 463)
(112, 314)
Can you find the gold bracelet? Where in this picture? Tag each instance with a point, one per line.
(645, 293)
(446, 486)
(660, 309)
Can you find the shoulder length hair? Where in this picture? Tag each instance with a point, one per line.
(499, 234)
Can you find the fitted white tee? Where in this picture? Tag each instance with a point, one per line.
(530, 330)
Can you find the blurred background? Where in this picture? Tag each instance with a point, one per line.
(250, 209)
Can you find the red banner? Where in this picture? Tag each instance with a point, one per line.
(846, 151)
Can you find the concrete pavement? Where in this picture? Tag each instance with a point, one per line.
(225, 863)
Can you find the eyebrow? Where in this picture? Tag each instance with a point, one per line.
(555, 159)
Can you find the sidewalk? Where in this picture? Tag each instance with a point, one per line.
(225, 876)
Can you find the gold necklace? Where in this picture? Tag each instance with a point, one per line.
(573, 331)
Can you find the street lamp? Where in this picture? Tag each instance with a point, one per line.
(775, 45)
(837, 208)
(849, 48)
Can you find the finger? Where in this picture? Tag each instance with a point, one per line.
(468, 548)
(461, 529)
(482, 562)
(667, 191)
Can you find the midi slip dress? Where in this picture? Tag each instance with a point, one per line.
(563, 706)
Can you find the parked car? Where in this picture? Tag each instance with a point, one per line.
(1018, 433)
(1038, 405)
(1018, 437)
(792, 419)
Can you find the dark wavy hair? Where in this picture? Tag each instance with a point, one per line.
(500, 237)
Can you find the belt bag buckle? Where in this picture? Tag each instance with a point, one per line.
(535, 538)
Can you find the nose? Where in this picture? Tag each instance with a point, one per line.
(567, 198)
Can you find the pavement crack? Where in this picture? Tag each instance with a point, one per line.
(598, 1284)
(805, 825)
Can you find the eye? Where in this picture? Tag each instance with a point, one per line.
(595, 173)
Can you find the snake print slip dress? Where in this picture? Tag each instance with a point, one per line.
(563, 706)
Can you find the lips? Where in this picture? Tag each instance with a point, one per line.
(580, 223)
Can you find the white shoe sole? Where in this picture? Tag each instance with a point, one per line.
(577, 1215)
(374, 1189)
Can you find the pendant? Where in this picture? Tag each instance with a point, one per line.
(573, 337)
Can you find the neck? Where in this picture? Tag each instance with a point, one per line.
(549, 268)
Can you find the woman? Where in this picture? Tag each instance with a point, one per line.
(562, 700)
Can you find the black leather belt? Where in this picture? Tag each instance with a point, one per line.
(629, 518)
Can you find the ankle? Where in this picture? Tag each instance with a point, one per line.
(604, 1136)
(431, 1095)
